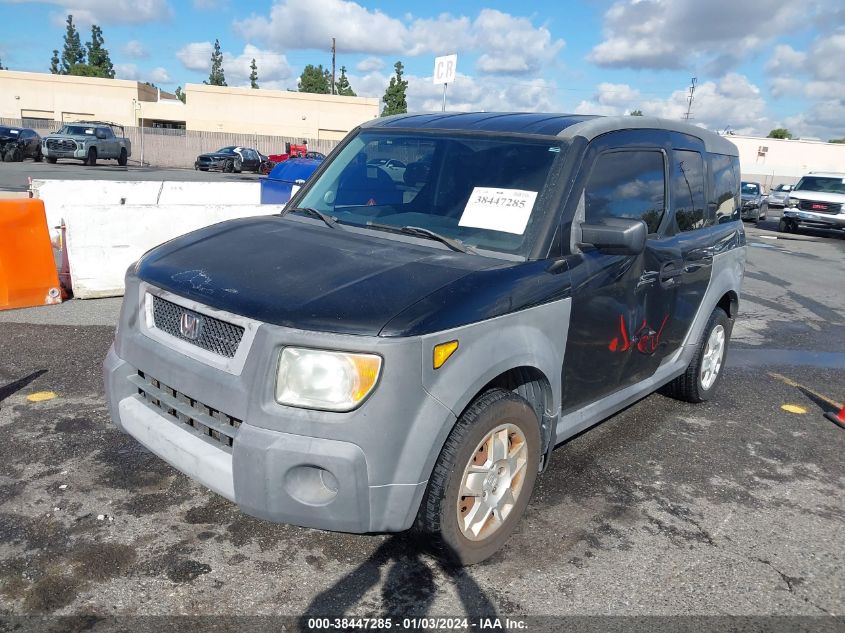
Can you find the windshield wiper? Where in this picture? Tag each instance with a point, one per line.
(418, 231)
(315, 213)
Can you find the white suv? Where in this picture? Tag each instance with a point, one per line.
(818, 200)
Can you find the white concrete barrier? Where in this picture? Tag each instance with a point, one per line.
(61, 194)
(103, 241)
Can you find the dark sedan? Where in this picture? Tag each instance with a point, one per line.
(234, 159)
(18, 143)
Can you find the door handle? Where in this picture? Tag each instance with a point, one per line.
(670, 270)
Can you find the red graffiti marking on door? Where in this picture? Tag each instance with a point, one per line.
(645, 338)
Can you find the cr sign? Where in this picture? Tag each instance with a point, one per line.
(445, 68)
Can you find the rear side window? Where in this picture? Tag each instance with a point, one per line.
(724, 197)
(688, 191)
(627, 184)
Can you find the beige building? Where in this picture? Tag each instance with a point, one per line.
(772, 161)
(207, 108)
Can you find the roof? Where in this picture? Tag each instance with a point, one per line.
(562, 125)
(827, 174)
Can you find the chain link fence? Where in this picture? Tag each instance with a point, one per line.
(179, 148)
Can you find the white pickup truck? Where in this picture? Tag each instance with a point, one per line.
(88, 142)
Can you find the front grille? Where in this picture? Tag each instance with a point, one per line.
(61, 145)
(212, 425)
(819, 207)
(211, 334)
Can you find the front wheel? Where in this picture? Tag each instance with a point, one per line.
(91, 161)
(483, 479)
(51, 160)
(38, 156)
(698, 383)
(229, 167)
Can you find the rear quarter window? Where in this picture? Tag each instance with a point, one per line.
(724, 188)
(688, 191)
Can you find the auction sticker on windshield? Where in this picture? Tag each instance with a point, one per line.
(504, 210)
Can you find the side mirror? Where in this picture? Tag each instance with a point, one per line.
(616, 236)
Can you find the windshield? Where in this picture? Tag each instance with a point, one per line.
(8, 131)
(485, 191)
(225, 150)
(77, 130)
(750, 188)
(783, 188)
(826, 184)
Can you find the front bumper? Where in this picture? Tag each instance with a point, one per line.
(821, 220)
(751, 212)
(362, 471)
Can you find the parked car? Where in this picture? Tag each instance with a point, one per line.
(371, 362)
(19, 143)
(393, 167)
(88, 141)
(818, 200)
(753, 202)
(234, 159)
(778, 196)
(311, 155)
(286, 179)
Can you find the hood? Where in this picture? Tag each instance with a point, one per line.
(289, 272)
(818, 196)
(294, 169)
(749, 196)
(217, 155)
(5, 138)
(75, 137)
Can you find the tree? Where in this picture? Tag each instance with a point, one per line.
(3, 67)
(315, 79)
(837, 140)
(179, 94)
(216, 77)
(635, 113)
(342, 86)
(253, 74)
(780, 132)
(55, 63)
(395, 101)
(73, 52)
(98, 56)
(84, 70)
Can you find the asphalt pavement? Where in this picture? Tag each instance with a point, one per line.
(733, 507)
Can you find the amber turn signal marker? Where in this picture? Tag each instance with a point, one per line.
(442, 353)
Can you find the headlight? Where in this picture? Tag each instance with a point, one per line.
(317, 379)
(792, 202)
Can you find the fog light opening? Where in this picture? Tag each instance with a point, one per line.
(311, 485)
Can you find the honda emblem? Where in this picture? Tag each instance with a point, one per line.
(190, 326)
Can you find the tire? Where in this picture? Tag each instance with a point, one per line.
(91, 161)
(7, 156)
(509, 415)
(51, 159)
(38, 156)
(695, 385)
(229, 167)
(123, 158)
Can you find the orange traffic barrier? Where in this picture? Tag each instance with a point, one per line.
(28, 274)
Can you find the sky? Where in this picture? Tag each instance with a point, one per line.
(759, 64)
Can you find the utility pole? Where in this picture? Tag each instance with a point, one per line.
(690, 98)
(333, 67)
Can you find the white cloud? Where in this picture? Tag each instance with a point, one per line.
(159, 75)
(370, 64)
(817, 75)
(313, 23)
(675, 34)
(731, 101)
(512, 45)
(507, 44)
(135, 50)
(126, 71)
(196, 56)
(272, 67)
(490, 94)
(87, 12)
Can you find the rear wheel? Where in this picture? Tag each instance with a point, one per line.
(698, 383)
(92, 157)
(123, 158)
(483, 479)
